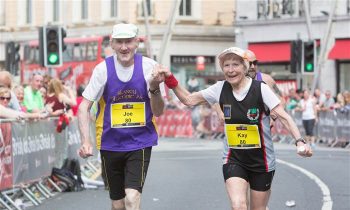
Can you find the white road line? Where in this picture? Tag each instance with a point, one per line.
(327, 200)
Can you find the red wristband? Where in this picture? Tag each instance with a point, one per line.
(171, 81)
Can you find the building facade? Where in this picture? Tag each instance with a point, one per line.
(203, 28)
(268, 26)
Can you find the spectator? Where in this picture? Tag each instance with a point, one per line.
(329, 102)
(46, 80)
(346, 107)
(293, 100)
(320, 98)
(33, 100)
(5, 96)
(340, 101)
(203, 128)
(6, 81)
(43, 91)
(309, 116)
(79, 98)
(6, 112)
(19, 92)
(59, 96)
(193, 84)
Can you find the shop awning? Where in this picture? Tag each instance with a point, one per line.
(268, 52)
(340, 50)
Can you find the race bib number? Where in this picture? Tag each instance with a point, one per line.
(242, 136)
(125, 115)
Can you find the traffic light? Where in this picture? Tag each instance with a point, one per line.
(63, 35)
(12, 57)
(309, 57)
(295, 56)
(50, 46)
(9, 49)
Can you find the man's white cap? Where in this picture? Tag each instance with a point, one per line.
(235, 50)
(124, 31)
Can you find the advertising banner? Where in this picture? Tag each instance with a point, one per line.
(6, 164)
(33, 150)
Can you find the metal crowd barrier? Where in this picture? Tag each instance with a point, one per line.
(331, 129)
(28, 152)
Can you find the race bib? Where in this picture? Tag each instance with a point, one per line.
(242, 136)
(125, 115)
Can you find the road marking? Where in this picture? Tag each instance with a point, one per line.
(327, 200)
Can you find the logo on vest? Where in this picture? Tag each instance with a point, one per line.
(253, 114)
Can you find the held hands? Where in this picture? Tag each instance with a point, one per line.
(304, 150)
(157, 76)
(85, 150)
(163, 73)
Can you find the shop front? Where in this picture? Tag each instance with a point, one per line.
(341, 54)
(201, 68)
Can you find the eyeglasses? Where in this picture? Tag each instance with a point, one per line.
(253, 62)
(3, 98)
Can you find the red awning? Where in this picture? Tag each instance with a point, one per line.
(271, 51)
(340, 50)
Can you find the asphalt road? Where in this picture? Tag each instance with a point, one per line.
(186, 175)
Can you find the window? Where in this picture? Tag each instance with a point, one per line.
(186, 8)
(114, 8)
(149, 8)
(2, 13)
(56, 10)
(31, 54)
(288, 7)
(262, 9)
(141, 12)
(84, 9)
(80, 52)
(29, 11)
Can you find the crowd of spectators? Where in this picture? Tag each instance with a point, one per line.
(324, 101)
(42, 97)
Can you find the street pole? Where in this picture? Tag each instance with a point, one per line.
(149, 41)
(167, 36)
(325, 48)
(299, 78)
(308, 19)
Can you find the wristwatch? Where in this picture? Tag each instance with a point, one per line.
(155, 91)
(300, 139)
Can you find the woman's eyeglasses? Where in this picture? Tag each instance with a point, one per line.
(3, 98)
(253, 62)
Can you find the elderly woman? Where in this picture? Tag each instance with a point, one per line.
(248, 157)
(5, 96)
(7, 112)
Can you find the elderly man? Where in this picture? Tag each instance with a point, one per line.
(33, 100)
(128, 98)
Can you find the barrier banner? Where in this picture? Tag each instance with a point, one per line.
(6, 164)
(175, 123)
(73, 137)
(326, 125)
(33, 148)
(296, 116)
(343, 126)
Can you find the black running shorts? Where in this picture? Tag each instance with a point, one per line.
(125, 170)
(259, 181)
